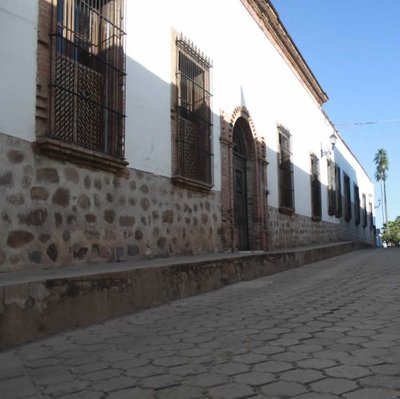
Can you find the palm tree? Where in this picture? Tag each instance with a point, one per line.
(382, 166)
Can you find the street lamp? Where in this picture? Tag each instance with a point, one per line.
(332, 139)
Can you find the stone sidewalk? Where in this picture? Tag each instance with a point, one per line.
(327, 330)
(37, 303)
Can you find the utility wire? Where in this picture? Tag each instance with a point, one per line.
(368, 123)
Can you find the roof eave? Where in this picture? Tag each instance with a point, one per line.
(264, 13)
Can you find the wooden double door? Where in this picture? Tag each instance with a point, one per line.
(240, 188)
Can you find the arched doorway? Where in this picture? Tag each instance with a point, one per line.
(240, 186)
(243, 183)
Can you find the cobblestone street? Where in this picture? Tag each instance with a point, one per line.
(322, 331)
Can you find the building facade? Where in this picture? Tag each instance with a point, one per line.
(139, 130)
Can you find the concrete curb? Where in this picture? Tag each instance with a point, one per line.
(47, 303)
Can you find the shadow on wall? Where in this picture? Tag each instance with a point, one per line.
(149, 138)
(148, 121)
(58, 213)
(287, 229)
(152, 141)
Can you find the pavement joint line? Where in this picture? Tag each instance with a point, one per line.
(244, 309)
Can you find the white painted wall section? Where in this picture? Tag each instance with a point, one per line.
(18, 43)
(247, 71)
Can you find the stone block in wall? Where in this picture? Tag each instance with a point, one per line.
(289, 231)
(58, 214)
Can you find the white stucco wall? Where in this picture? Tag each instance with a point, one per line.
(18, 38)
(349, 165)
(248, 71)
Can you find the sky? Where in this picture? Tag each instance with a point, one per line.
(353, 49)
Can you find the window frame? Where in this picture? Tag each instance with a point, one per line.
(316, 203)
(338, 183)
(365, 211)
(104, 148)
(347, 197)
(371, 216)
(357, 213)
(285, 172)
(192, 127)
(332, 200)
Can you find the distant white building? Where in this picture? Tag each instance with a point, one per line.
(160, 129)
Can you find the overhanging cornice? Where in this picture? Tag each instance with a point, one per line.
(268, 20)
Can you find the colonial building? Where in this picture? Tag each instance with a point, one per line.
(154, 129)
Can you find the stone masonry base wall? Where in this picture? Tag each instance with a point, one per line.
(286, 231)
(55, 213)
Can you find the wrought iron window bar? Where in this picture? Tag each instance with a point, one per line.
(88, 75)
(193, 140)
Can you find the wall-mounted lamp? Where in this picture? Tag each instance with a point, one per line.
(332, 139)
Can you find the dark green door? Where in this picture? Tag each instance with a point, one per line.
(240, 188)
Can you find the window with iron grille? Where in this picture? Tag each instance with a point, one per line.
(315, 189)
(347, 197)
(286, 188)
(371, 217)
(331, 188)
(338, 183)
(88, 77)
(193, 138)
(365, 211)
(356, 205)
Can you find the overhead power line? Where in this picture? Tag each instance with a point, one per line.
(368, 122)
